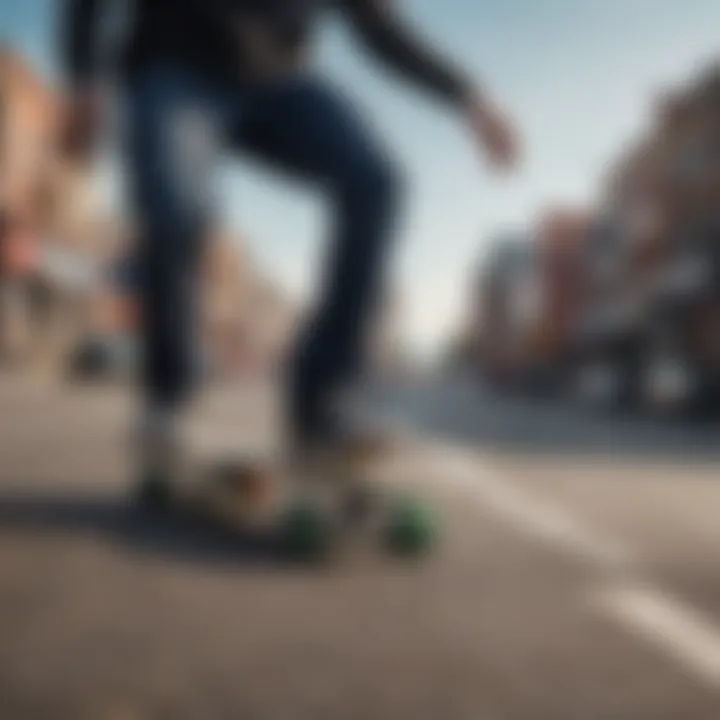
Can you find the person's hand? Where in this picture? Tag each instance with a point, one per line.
(494, 133)
(83, 124)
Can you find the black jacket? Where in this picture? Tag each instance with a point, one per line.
(207, 36)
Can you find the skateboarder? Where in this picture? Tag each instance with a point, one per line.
(201, 73)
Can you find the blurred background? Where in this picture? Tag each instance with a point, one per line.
(614, 304)
(549, 351)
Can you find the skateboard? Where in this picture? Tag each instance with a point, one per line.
(314, 505)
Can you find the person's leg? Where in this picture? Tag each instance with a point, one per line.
(171, 149)
(308, 128)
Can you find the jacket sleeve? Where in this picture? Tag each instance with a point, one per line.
(390, 38)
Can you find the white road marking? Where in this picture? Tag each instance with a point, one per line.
(674, 628)
(530, 514)
(533, 516)
(646, 611)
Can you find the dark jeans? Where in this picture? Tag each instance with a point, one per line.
(177, 124)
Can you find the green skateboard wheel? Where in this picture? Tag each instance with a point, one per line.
(306, 533)
(411, 529)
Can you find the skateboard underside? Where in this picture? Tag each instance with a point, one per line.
(312, 508)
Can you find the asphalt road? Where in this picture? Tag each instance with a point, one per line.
(577, 578)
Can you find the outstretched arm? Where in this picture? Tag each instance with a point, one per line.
(390, 38)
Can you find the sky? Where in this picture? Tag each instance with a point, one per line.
(579, 77)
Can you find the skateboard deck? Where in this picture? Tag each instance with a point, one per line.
(319, 504)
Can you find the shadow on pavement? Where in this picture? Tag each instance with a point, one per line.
(166, 536)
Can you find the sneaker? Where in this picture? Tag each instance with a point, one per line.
(346, 429)
(159, 450)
